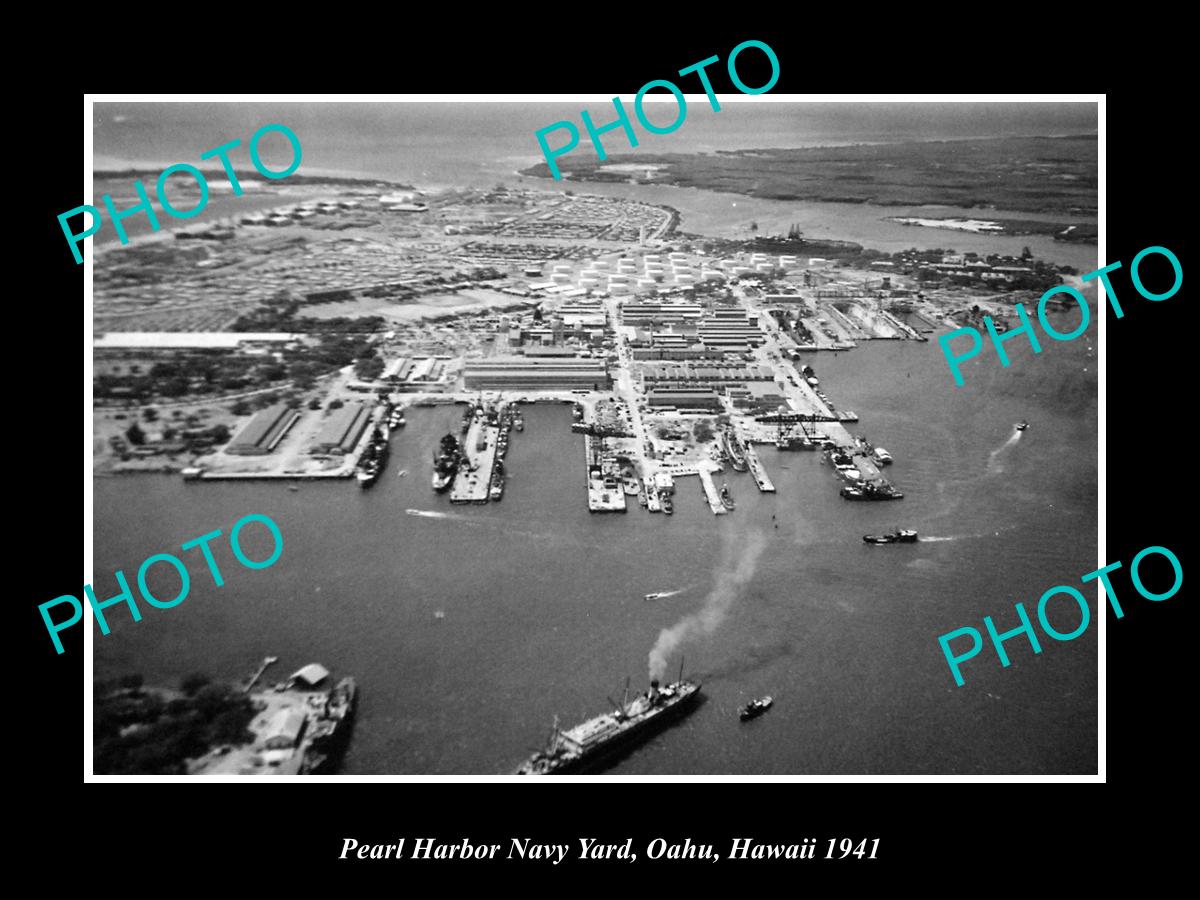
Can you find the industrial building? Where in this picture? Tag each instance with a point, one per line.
(730, 329)
(264, 432)
(537, 374)
(703, 374)
(684, 397)
(342, 430)
(646, 313)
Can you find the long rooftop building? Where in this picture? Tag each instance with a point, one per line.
(536, 373)
(264, 432)
(342, 429)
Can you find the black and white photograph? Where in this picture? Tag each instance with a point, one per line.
(725, 434)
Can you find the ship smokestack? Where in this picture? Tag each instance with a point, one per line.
(654, 690)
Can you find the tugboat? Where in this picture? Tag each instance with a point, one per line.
(903, 536)
(668, 506)
(445, 464)
(1021, 426)
(755, 708)
(587, 746)
(726, 498)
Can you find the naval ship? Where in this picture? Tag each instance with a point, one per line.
(587, 746)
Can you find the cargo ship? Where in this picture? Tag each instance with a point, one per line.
(586, 747)
(330, 732)
(446, 463)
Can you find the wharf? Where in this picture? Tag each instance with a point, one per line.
(653, 504)
(758, 470)
(474, 480)
(346, 471)
(710, 489)
(602, 497)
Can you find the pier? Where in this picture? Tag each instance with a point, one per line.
(474, 481)
(606, 493)
(710, 489)
(758, 470)
(269, 661)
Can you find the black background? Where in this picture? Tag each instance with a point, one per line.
(963, 837)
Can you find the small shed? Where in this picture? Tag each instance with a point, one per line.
(312, 674)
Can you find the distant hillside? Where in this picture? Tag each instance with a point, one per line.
(1030, 174)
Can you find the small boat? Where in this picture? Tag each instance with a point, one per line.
(657, 595)
(755, 708)
(293, 487)
(402, 473)
(903, 536)
(1021, 426)
(726, 497)
(667, 505)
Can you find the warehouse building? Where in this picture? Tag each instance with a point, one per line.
(683, 397)
(536, 374)
(342, 430)
(264, 432)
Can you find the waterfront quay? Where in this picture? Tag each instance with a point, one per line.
(604, 486)
(474, 478)
(758, 471)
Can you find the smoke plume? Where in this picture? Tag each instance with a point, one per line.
(737, 567)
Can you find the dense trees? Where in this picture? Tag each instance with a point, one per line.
(142, 732)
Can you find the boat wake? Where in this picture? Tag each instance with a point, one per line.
(995, 464)
(662, 595)
(932, 540)
(429, 514)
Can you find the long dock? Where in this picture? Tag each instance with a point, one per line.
(249, 685)
(472, 485)
(601, 497)
(710, 490)
(758, 470)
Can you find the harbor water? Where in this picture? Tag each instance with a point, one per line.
(469, 628)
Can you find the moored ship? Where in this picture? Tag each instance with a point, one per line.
(588, 745)
(872, 491)
(446, 463)
(733, 449)
(330, 732)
